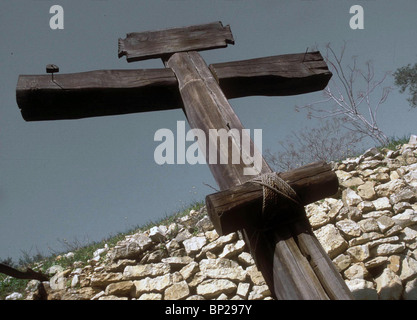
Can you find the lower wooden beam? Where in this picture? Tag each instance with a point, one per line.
(240, 206)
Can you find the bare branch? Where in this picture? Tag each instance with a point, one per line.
(356, 106)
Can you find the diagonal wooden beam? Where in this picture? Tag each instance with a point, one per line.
(284, 265)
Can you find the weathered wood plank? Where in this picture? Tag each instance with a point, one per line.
(112, 92)
(156, 44)
(239, 206)
(306, 284)
(282, 75)
(323, 267)
(207, 108)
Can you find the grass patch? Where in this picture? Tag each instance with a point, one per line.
(394, 142)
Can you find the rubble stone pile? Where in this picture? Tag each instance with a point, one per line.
(369, 230)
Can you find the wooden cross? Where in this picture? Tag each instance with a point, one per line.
(291, 259)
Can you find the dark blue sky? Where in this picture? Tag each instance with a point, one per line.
(87, 179)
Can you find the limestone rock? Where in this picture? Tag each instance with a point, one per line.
(205, 224)
(366, 190)
(400, 207)
(189, 270)
(352, 182)
(385, 249)
(394, 263)
(156, 234)
(146, 285)
(342, 262)
(369, 225)
(386, 240)
(410, 290)
(255, 275)
(222, 269)
(349, 228)
(54, 269)
(122, 288)
(319, 219)
(147, 270)
(195, 297)
(386, 189)
(362, 289)
(375, 262)
(177, 291)
(389, 285)
(232, 249)
(14, 296)
(245, 259)
(356, 271)
(331, 240)
(243, 290)
(183, 235)
(112, 298)
(133, 248)
(104, 279)
(405, 219)
(366, 206)
(194, 244)
(359, 253)
(384, 223)
(408, 234)
(213, 287)
(408, 194)
(408, 269)
(382, 204)
(350, 197)
(259, 292)
(176, 263)
(150, 296)
(58, 281)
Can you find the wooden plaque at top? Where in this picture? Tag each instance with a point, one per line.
(156, 44)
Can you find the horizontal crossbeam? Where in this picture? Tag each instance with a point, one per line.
(114, 92)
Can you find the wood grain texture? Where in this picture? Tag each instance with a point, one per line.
(322, 265)
(207, 109)
(156, 44)
(281, 75)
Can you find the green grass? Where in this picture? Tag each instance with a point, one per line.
(395, 141)
(82, 253)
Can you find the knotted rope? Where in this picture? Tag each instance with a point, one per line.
(280, 205)
(276, 194)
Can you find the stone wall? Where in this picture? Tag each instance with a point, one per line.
(369, 230)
